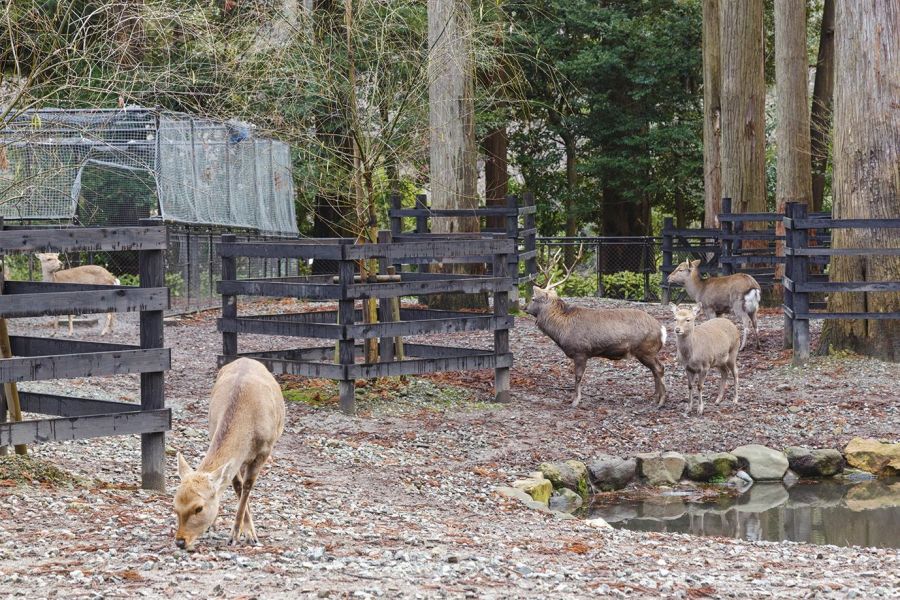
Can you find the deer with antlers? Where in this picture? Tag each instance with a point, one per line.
(583, 333)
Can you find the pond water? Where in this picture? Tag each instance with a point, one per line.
(827, 512)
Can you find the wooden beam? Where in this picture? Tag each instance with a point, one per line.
(68, 406)
(424, 326)
(23, 345)
(84, 302)
(152, 271)
(315, 291)
(86, 240)
(63, 366)
(62, 429)
(437, 249)
(280, 366)
(467, 285)
(282, 249)
(419, 366)
(328, 331)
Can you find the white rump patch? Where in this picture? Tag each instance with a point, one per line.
(117, 282)
(662, 330)
(751, 301)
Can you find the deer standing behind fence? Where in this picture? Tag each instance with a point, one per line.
(738, 293)
(583, 333)
(709, 345)
(52, 271)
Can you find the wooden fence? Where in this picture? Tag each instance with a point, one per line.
(798, 283)
(515, 221)
(345, 325)
(37, 358)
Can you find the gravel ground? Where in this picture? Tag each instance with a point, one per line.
(398, 501)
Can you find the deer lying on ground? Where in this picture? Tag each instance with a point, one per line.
(712, 344)
(52, 271)
(246, 418)
(738, 293)
(583, 333)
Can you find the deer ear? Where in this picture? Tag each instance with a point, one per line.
(184, 469)
(697, 308)
(695, 264)
(219, 477)
(675, 309)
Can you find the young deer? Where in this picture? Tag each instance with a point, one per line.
(709, 345)
(738, 293)
(51, 270)
(583, 333)
(246, 418)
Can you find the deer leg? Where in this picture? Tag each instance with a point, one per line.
(653, 363)
(755, 322)
(723, 371)
(580, 365)
(71, 327)
(690, 383)
(109, 323)
(710, 313)
(249, 478)
(734, 373)
(701, 376)
(247, 523)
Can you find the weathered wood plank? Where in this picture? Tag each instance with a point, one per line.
(24, 345)
(84, 302)
(282, 249)
(77, 238)
(432, 351)
(62, 366)
(83, 427)
(434, 249)
(152, 270)
(871, 316)
(280, 366)
(419, 366)
(467, 285)
(846, 223)
(848, 286)
(329, 331)
(69, 406)
(842, 251)
(316, 291)
(424, 326)
(41, 287)
(451, 212)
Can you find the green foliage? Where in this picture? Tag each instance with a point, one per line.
(173, 281)
(130, 279)
(629, 285)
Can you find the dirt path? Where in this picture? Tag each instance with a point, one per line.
(398, 501)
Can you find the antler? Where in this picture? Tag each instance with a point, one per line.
(551, 266)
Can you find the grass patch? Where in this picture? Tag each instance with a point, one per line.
(28, 470)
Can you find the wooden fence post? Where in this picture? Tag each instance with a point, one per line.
(501, 336)
(512, 233)
(727, 227)
(385, 305)
(530, 245)
(229, 303)
(421, 220)
(799, 274)
(346, 345)
(666, 268)
(648, 241)
(788, 296)
(152, 269)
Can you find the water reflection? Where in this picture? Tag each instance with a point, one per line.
(827, 512)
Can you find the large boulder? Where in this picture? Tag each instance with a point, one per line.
(763, 464)
(565, 500)
(704, 467)
(814, 463)
(571, 474)
(873, 456)
(661, 468)
(538, 489)
(610, 473)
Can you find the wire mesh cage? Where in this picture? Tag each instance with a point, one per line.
(114, 167)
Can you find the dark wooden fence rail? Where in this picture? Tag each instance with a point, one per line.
(36, 358)
(798, 285)
(345, 325)
(517, 217)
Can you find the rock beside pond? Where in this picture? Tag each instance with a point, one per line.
(763, 464)
(538, 489)
(661, 469)
(565, 500)
(610, 473)
(572, 474)
(814, 463)
(873, 456)
(598, 523)
(704, 467)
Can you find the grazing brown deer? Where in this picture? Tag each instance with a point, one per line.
(738, 293)
(709, 345)
(583, 333)
(246, 418)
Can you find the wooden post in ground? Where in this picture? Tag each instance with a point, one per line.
(727, 244)
(10, 390)
(530, 245)
(666, 269)
(346, 346)
(387, 344)
(788, 296)
(151, 267)
(501, 336)
(799, 272)
(511, 227)
(229, 303)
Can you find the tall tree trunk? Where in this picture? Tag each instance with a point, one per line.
(793, 177)
(496, 174)
(823, 97)
(571, 187)
(712, 113)
(451, 101)
(866, 182)
(743, 104)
